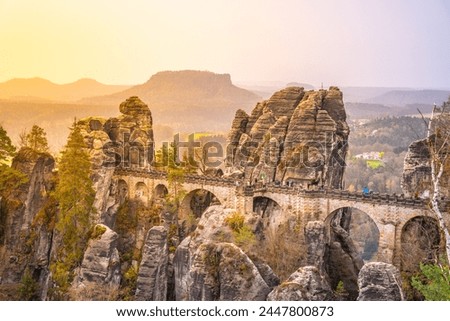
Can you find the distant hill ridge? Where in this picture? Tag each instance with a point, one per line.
(408, 97)
(181, 101)
(188, 99)
(190, 85)
(43, 89)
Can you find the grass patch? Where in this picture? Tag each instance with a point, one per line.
(374, 164)
(97, 232)
(243, 234)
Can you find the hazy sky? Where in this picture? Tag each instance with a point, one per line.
(370, 43)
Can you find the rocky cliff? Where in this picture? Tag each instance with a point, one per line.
(208, 266)
(27, 227)
(28, 240)
(295, 137)
(126, 141)
(416, 180)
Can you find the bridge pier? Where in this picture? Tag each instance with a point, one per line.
(386, 244)
(396, 260)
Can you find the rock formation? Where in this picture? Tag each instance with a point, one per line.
(416, 180)
(100, 268)
(308, 283)
(27, 242)
(316, 244)
(379, 281)
(152, 279)
(343, 258)
(25, 239)
(222, 271)
(207, 267)
(295, 137)
(125, 141)
(305, 284)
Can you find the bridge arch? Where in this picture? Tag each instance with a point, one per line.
(362, 228)
(195, 202)
(420, 242)
(160, 191)
(352, 239)
(269, 210)
(141, 192)
(123, 190)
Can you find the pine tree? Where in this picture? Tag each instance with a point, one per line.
(10, 179)
(36, 139)
(75, 195)
(7, 149)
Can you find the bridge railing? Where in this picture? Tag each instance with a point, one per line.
(342, 195)
(250, 190)
(188, 178)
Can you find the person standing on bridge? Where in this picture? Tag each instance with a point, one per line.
(365, 190)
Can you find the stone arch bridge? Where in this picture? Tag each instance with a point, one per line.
(390, 213)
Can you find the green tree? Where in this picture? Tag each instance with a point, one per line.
(167, 159)
(28, 290)
(434, 283)
(7, 149)
(175, 178)
(36, 139)
(75, 195)
(10, 178)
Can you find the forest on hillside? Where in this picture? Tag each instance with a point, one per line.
(389, 136)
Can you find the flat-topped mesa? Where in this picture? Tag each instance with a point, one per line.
(296, 137)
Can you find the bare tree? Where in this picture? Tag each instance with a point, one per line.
(438, 137)
(200, 156)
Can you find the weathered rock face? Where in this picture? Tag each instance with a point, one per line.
(343, 259)
(294, 137)
(27, 218)
(271, 279)
(100, 267)
(152, 279)
(420, 241)
(309, 282)
(416, 180)
(222, 271)
(379, 281)
(125, 141)
(26, 241)
(316, 243)
(305, 284)
(207, 267)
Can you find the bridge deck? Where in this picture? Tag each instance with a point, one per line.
(373, 198)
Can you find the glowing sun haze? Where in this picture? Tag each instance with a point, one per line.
(367, 43)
